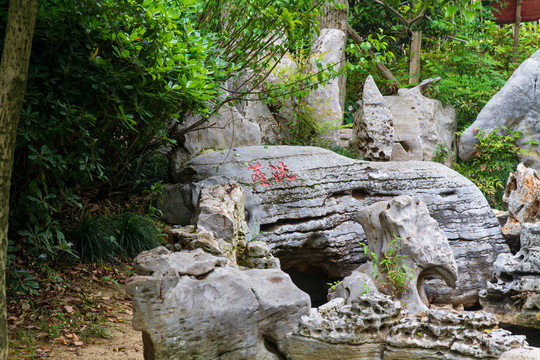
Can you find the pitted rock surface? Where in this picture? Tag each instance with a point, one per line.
(449, 335)
(373, 125)
(522, 197)
(514, 293)
(403, 227)
(313, 219)
(219, 313)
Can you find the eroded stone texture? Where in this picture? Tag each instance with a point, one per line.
(529, 353)
(325, 102)
(340, 331)
(403, 226)
(450, 335)
(257, 255)
(437, 124)
(352, 287)
(313, 219)
(220, 210)
(212, 312)
(226, 129)
(191, 238)
(373, 125)
(514, 294)
(517, 107)
(522, 197)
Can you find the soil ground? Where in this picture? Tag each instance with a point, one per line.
(86, 315)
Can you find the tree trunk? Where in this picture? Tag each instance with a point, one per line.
(414, 57)
(516, 29)
(13, 75)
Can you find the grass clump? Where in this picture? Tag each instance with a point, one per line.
(101, 238)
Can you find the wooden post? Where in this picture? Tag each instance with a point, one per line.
(414, 57)
(516, 29)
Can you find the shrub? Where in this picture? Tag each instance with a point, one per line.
(94, 239)
(495, 159)
(136, 233)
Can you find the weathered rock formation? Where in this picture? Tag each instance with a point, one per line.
(527, 353)
(312, 220)
(373, 125)
(417, 129)
(517, 107)
(346, 331)
(514, 293)
(373, 326)
(522, 197)
(403, 229)
(452, 335)
(325, 102)
(191, 305)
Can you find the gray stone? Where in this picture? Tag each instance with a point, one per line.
(352, 287)
(522, 197)
(312, 220)
(192, 263)
(407, 132)
(325, 102)
(514, 293)
(402, 227)
(373, 125)
(449, 335)
(257, 255)
(517, 107)
(528, 353)
(339, 331)
(220, 210)
(222, 314)
(192, 238)
(222, 131)
(438, 124)
(334, 15)
(257, 112)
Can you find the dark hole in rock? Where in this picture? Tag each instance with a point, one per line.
(271, 346)
(532, 334)
(405, 146)
(311, 280)
(513, 243)
(474, 307)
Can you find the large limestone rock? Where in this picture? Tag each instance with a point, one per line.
(190, 305)
(325, 103)
(522, 197)
(449, 335)
(220, 210)
(409, 126)
(437, 124)
(334, 15)
(514, 293)
(517, 107)
(528, 353)
(312, 220)
(373, 125)
(346, 331)
(403, 228)
(224, 130)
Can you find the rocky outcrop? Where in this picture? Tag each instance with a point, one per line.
(345, 331)
(373, 125)
(373, 326)
(446, 334)
(437, 124)
(522, 197)
(190, 305)
(402, 233)
(313, 219)
(352, 287)
(334, 15)
(528, 353)
(226, 129)
(418, 128)
(514, 293)
(517, 107)
(325, 104)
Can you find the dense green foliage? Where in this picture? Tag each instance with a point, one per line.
(496, 158)
(108, 82)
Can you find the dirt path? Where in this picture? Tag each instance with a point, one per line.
(124, 344)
